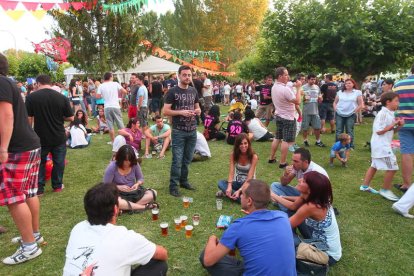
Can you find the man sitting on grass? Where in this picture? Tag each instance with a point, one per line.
(99, 246)
(159, 135)
(263, 237)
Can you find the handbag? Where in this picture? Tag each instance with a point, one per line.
(133, 196)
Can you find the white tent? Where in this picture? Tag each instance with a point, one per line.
(150, 65)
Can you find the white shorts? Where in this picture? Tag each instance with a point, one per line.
(385, 163)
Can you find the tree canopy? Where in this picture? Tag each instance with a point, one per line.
(355, 36)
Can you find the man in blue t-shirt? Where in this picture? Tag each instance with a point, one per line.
(263, 237)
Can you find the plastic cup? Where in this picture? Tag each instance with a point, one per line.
(219, 204)
(188, 231)
(186, 202)
(183, 221)
(164, 229)
(196, 219)
(177, 222)
(155, 213)
(101, 132)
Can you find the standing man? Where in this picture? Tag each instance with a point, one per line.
(265, 103)
(227, 90)
(92, 92)
(181, 103)
(198, 85)
(108, 90)
(284, 100)
(142, 103)
(264, 239)
(310, 112)
(19, 168)
(49, 109)
(326, 111)
(405, 90)
(132, 109)
(156, 93)
(207, 91)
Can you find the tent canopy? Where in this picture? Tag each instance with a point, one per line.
(150, 64)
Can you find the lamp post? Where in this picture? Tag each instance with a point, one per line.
(14, 38)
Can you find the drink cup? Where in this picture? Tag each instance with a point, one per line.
(183, 221)
(177, 222)
(186, 202)
(155, 213)
(188, 231)
(164, 229)
(196, 219)
(101, 132)
(219, 204)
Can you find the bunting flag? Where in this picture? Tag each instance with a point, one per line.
(77, 5)
(122, 8)
(64, 6)
(39, 14)
(8, 5)
(48, 6)
(16, 14)
(30, 6)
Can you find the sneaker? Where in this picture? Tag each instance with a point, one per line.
(320, 144)
(175, 193)
(306, 143)
(58, 190)
(291, 148)
(368, 189)
(272, 161)
(295, 146)
(282, 166)
(187, 186)
(109, 143)
(21, 256)
(387, 194)
(407, 215)
(39, 239)
(220, 194)
(148, 156)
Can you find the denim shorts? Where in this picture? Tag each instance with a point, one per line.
(406, 136)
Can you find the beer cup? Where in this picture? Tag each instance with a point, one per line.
(188, 231)
(183, 221)
(196, 219)
(164, 229)
(186, 202)
(155, 213)
(177, 222)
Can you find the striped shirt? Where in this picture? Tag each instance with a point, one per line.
(405, 90)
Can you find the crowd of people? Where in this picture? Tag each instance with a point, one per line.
(269, 241)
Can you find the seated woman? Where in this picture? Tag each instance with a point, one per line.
(201, 150)
(81, 115)
(132, 134)
(212, 124)
(235, 127)
(256, 127)
(101, 124)
(79, 137)
(314, 208)
(243, 163)
(126, 173)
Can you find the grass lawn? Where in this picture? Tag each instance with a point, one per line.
(375, 240)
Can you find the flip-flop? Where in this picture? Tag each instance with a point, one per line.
(399, 187)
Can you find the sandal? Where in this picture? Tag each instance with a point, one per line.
(152, 205)
(131, 211)
(399, 187)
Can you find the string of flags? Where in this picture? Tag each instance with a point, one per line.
(39, 9)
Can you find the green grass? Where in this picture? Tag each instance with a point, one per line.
(375, 240)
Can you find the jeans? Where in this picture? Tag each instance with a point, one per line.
(182, 145)
(345, 124)
(226, 266)
(282, 190)
(153, 267)
(58, 158)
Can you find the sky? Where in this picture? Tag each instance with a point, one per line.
(19, 34)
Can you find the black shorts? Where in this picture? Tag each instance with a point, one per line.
(326, 111)
(285, 129)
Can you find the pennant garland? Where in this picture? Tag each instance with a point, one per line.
(8, 5)
(39, 14)
(121, 8)
(30, 6)
(15, 15)
(189, 55)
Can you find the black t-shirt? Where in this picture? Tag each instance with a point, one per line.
(210, 123)
(23, 137)
(182, 99)
(234, 128)
(49, 108)
(328, 91)
(156, 90)
(265, 90)
(133, 95)
(170, 83)
(198, 85)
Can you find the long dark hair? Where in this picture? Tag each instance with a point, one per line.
(131, 122)
(125, 153)
(71, 85)
(320, 189)
(76, 122)
(236, 149)
(84, 118)
(214, 111)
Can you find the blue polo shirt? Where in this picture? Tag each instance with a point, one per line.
(265, 241)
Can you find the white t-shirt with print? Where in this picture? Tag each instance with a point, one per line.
(381, 144)
(112, 249)
(109, 91)
(207, 92)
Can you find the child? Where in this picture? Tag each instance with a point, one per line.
(341, 150)
(382, 155)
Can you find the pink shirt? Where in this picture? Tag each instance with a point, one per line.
(282, 94)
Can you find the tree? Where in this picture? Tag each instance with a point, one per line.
(355, 36)
(101, 41)
(31, 65)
